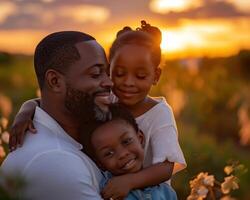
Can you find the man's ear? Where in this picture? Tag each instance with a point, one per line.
(157, 75)
(55, 80)
(141, 138)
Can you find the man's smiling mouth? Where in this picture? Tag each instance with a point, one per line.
(103, 100)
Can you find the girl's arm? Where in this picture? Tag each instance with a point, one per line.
(22, 123)
(119, 186)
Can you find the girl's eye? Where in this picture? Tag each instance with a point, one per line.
(119, 73)
(141, 76)
(127, 141)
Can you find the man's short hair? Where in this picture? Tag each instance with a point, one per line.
(57, 51)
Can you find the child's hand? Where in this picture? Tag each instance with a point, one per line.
(18, 129)
(117, 187)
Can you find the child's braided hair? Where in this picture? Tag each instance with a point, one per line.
(146, 35)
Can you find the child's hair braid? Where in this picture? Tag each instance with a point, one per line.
(146, 35)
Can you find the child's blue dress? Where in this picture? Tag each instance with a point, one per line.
(162, 191)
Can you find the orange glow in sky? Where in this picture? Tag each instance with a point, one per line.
(182, 35)
(163, 6)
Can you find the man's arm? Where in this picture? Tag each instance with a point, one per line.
(60, 175)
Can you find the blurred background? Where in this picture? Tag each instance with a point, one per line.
(206, 68)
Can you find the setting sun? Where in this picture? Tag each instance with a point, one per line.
(163, 6)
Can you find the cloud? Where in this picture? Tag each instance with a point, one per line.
(242, 5)
(7, 9)
(50, 15)
(85, 13)
(209, 9)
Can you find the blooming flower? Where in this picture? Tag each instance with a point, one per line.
(230, 183)
(209, 180)
(5, 137)
(202, 192)
(4, 122)
(2, 152)
(228, 169)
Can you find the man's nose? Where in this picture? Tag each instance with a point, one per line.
(107, 83)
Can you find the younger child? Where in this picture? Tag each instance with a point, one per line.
(116, 145)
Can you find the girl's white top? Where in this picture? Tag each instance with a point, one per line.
(161, 136)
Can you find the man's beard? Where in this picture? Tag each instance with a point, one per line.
(83, 107)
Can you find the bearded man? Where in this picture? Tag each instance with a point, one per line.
(71, 71)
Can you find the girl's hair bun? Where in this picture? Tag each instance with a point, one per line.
(152, 30)
(125, 29)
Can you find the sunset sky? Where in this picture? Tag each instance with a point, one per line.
(189, 27)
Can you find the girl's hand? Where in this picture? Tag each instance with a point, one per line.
(117, 187)
(21, 124)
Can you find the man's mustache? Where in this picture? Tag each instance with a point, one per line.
(101, 91)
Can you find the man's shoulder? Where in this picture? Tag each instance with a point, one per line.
(60, 159)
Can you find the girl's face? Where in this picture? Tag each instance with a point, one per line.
(133, 73)
(118, 148)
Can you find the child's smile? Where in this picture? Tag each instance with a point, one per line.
(129, 165)
(133, 74)
(118, 148)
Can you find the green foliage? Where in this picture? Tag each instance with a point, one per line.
(207, 96)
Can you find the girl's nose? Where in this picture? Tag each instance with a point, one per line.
(129, 81)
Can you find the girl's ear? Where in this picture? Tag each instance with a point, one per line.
(141, 138)
(55, 80)
(157, 75)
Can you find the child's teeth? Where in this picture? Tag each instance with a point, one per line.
(129, 163)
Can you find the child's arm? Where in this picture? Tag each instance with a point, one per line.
(119, 186)
(22, 123)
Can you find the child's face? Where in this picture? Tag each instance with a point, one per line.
(118, 148)
(132, 73)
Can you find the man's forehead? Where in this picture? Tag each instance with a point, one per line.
(91, 45)
(91, 51)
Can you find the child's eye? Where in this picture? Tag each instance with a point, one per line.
(127, 141)
(119, 73)
(109, 154)
(141, 76)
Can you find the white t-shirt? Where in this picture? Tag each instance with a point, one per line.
(161, 136)
(53, 165)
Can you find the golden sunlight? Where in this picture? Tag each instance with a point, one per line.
(25, 40)
(176, 40)
(191, 38)
(201, 37)
(164, 6)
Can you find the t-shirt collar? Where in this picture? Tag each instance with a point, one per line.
(46, 120)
